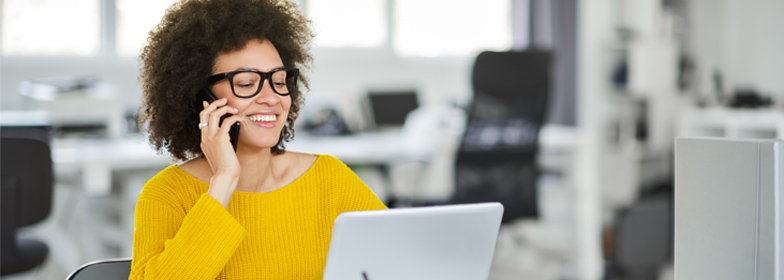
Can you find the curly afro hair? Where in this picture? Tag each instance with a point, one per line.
(180, 54)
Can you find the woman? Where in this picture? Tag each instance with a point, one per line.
(260, 212)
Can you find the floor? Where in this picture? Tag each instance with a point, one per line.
(83, 229)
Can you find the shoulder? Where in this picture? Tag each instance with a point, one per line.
(171, 183)
(329, 160)
(167, 176)
(334, 171)
(332, 165)
(315, 165)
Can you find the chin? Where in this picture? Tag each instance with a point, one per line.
(260, 144)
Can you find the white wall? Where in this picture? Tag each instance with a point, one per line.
(743, 39)
(438, 80)
(122, 72)
(334, 71)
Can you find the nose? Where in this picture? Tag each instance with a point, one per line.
(267, 95)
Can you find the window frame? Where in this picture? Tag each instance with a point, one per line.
(107, 49)
(105, 56)
(386, 51)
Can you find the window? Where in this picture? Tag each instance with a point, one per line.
(349, 23)
(429, 28)
(51, 27)
(135, 19)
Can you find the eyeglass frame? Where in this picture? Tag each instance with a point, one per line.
(264, 76)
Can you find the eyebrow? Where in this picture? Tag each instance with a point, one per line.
(256, 69)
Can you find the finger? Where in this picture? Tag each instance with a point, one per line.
(215, 116)
(228, 122)
(204, 115)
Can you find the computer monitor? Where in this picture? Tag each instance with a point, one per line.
(390, 108)
(728, 209)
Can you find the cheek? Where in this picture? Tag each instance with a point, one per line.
(286, 103)
(239, 103)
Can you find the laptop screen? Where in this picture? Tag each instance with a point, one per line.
(390, 108)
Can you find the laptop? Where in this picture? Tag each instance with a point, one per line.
(389, 109)
(439, 242)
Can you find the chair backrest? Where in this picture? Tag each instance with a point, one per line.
(26, 180)
(496, 159)
(112, 269)
(25, 160)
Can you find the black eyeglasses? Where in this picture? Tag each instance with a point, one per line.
(248, 83)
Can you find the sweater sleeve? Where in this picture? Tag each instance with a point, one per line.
(175, 243)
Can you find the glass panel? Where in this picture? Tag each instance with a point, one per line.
(135, 19)
(51, 27)
(432, 28)
(349, 23)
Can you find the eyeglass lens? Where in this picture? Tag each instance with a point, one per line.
(249, 83)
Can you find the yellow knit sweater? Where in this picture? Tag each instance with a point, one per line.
(183, 233)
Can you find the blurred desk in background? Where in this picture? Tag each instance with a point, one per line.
(395, 146)
(762, 123)
(362, 149)
(383, 150)
(97, 158)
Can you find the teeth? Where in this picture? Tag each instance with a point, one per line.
(263, 118)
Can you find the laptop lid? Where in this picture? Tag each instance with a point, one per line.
(439, 242)
(389, 108)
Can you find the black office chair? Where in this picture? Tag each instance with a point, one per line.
(496, 160)
(113, 269)
(26, 178)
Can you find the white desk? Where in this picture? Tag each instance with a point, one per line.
(97, 158)
(731, 123)
(361, 149)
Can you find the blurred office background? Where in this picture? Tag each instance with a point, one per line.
(627, 76)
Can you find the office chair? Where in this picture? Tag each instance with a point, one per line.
(113, 269)
(496, 160)
(26, 178)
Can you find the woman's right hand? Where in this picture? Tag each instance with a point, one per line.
(217, 149)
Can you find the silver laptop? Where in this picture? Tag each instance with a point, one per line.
(439, 242)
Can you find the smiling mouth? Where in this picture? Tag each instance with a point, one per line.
(263, 118)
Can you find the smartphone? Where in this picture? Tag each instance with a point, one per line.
(234, 131)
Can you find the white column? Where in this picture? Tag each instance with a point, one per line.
(594, 35)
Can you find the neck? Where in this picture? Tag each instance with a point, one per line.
(258, 172)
